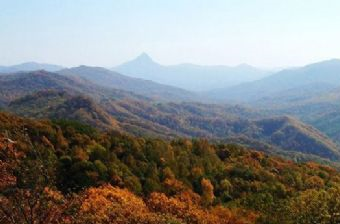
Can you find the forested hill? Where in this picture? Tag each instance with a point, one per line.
(171, 120)
(74, 173)
(63, 105)
(16, 85)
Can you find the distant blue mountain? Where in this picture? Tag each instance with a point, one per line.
(190, 76)
(30, 66)
(307, 81)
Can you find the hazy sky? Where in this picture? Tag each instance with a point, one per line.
(266, 33)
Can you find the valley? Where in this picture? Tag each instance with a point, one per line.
(71, 96)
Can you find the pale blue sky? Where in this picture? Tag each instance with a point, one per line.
(266, 33)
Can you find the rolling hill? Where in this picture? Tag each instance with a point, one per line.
(191, 120)
(329, 123)
(319, 111)
(315, 101)
(189, 76)
(111, 79)
(61, 105)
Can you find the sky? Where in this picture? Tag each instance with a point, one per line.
(263, 33)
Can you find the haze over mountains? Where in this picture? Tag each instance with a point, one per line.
(189, 76)
(241, 84)
(311, 79)
(106, 98)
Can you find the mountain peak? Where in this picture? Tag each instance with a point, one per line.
(144, 57)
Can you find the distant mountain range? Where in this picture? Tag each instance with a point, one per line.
(30, 66)
(189, 76)
(302, 83)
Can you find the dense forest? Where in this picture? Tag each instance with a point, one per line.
(42, 94)
(62, 171)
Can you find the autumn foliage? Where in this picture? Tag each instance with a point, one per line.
(66, 172)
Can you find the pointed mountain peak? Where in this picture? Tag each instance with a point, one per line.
(144, 57)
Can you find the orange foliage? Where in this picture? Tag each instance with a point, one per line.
(207, 192)
(8, 158)
(32, 207)
(109, 204)
(193, 214)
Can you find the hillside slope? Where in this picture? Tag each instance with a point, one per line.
(319, 110)
(283, 132)
(111, 79)
(61, 105)
(80, 173)
(16, 85)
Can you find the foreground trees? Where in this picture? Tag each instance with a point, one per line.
(68, 173)
(27, 184)
(313, 206)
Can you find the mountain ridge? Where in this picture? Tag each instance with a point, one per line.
(111, 79)
(189, 76)
(19, 84)
(30, 66)
(327, 72)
